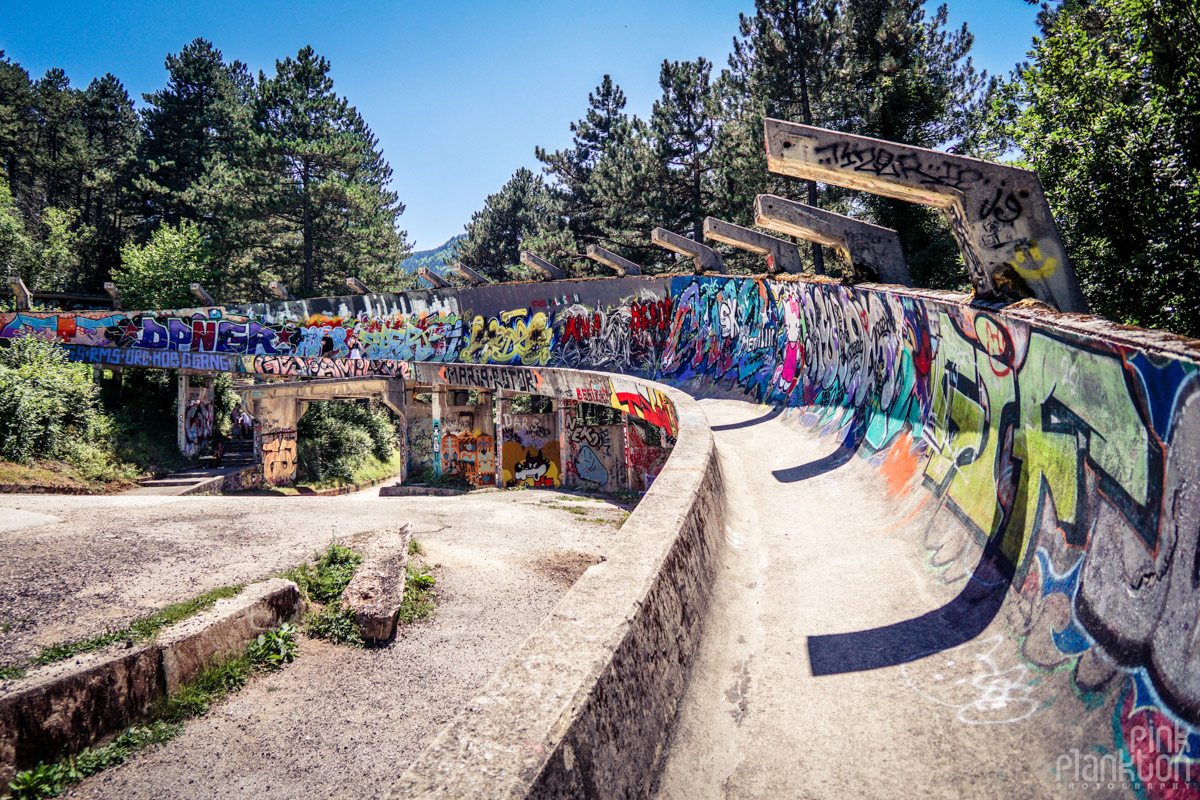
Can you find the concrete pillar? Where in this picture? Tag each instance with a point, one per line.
(502, 409)
(780, 255)
(21, 295)
(357, 286)
(998, 213)
(202, 294)
(704, 258)
(275, 436)
(622, 266)
(629, 479)
(564, 453)
(439, 402)
(181, 397)
(873, 252)
(396, 398)
(548, 270)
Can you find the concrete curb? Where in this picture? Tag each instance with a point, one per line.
(63, 708)
(582, 708)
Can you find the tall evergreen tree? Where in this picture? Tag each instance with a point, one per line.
(783, 60)
(683, 128)
(523, 215)
(604, 128)
(200, 119)
(111, 132)
(328, 206)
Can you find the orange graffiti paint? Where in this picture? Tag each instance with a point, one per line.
(900, 465)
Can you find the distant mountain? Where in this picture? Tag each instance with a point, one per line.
(431, 258)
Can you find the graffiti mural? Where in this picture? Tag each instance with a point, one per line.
(198, 418)
(595, 453)
(519, 336)
(645, 459)
(471, 455)
(1074, 457)
(530, 453)
(278, 449)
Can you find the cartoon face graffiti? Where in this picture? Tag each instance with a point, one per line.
(532, 470)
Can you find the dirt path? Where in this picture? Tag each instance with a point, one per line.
(339, 722)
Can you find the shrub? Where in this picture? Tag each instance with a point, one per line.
(337, 437)
(49, 407)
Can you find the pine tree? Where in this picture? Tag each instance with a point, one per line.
(683, 128)
(111, 133)
(523, 215)
(905, 78)
(784, 63)
(604, 128)
(198, 120)
(326, 202)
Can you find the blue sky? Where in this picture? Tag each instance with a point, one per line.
(459, 93)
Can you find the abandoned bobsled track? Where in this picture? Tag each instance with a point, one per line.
(907, 541)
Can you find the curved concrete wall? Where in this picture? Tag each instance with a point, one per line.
(1060, 451)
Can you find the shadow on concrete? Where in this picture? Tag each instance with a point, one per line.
(733, 426)
(841, 456)
(957, 622)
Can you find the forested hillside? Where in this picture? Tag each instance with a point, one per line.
(439, 259)
(221, 177)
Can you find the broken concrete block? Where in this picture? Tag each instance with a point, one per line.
(377, 588)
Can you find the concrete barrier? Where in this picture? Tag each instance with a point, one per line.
(62, 708)
(582, 708)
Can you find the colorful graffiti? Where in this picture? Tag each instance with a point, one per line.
(595, 453)
(645, 459)
(471, 456)
(1072, 456)
(278, 450)
(519, 336)
(628, 337)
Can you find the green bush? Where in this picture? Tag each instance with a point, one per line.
(337, 437)
(49, 407)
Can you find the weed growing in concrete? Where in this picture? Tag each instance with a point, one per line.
(12, 673)
(214, 682)
(415, 548)
(335, 623)
(325, 582)
(273, 649)
(419, 597)
(137, 631)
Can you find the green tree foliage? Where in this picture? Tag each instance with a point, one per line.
(337, 439)
(330, 211)
(49, 407)
(159, 273)
(282, 178)
(1108, 114)
(523, 215)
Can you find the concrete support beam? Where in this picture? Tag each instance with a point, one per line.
(440, 401)
(873, 252)
(469, 275)
(202, 295)
(622, 266)
(280, 291)
(20, 292)
(703, 257)
(998, 213)
(548, 270)
(781, 255)
(112, 291)
(357, 286)
(433, 279)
